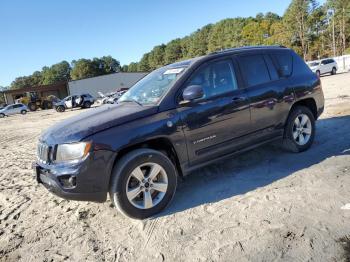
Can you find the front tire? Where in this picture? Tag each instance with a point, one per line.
(299, 132)
(318, 73)
(2, 115)
(23, 112)
(143, 183)
(60, 109)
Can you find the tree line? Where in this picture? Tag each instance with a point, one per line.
(314, 31)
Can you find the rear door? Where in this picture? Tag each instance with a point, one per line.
(266, 79)
(324, 66)
(212, 123)
(17, 109)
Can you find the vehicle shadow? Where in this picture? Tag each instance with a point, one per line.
(259, 167)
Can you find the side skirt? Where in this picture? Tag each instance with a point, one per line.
(187, 170)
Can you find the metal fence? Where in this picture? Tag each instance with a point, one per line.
(343, 63)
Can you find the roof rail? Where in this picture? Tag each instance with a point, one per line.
(246, 47)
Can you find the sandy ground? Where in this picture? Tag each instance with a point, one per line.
(265, 205)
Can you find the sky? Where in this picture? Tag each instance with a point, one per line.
(40, 33)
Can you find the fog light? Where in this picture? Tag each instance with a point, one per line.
(68, 181)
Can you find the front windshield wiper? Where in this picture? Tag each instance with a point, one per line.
(132, 100)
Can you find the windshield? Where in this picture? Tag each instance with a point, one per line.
(151, 88)
(314, 63)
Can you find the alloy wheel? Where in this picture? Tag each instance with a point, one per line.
(147, 185)
(302, 129)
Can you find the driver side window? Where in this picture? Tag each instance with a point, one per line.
(216, 78)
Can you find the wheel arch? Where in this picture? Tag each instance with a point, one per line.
(161, 144)
(310, 103)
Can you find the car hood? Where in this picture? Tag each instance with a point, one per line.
(78, 127)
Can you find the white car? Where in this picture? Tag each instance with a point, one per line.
(324, 66)
(13, 109)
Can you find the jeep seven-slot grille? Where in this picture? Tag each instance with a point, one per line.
(43, 152)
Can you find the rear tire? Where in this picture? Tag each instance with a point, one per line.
(318, 73)
(299, 132)
(87, 104)
(334, 71)
(135, 190)
(2, 115)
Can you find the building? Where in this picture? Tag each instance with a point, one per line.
(104, 84)
(59, 90)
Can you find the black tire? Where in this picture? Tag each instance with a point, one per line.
(44, 105)
(87, 104)
(60, 109)
(32, 107)
(289, 142)
(23, 112)
(2, 115)
(49, 105)
(334, 71)
(120, 177)
(318, 73)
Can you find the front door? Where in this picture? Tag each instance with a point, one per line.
(212, 123)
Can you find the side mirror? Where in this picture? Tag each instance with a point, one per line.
(192, 92)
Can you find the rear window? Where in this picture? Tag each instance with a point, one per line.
(284, 63)
(299, 66)
(254, 70)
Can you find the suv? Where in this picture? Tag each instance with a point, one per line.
(324, 66)
(83, 101)
(13, 109)
(178, 118)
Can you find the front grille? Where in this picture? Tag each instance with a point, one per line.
(43, 152)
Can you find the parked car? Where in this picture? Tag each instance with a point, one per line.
(110, 98)
(324, 66)
(83, 101)
(13, 109)
(176, 119)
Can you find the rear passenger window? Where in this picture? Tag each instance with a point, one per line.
(284, 64)
(254, 70)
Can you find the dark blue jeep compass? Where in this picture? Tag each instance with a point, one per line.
(176, 119)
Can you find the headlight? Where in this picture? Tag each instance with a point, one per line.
(72, 152)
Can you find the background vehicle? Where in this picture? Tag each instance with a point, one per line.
(179, 118)
(83, 101)
(33, 101)
(110, 98)
(13, 109)
(324, 66)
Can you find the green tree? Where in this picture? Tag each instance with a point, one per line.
(157, 57)
(143, 65)
(133, 67)
(199, 41)
(55, 73)
(173, 51)
(340, 15)
(82, 68)
(297, 23)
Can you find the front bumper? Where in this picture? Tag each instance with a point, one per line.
(91, 177)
